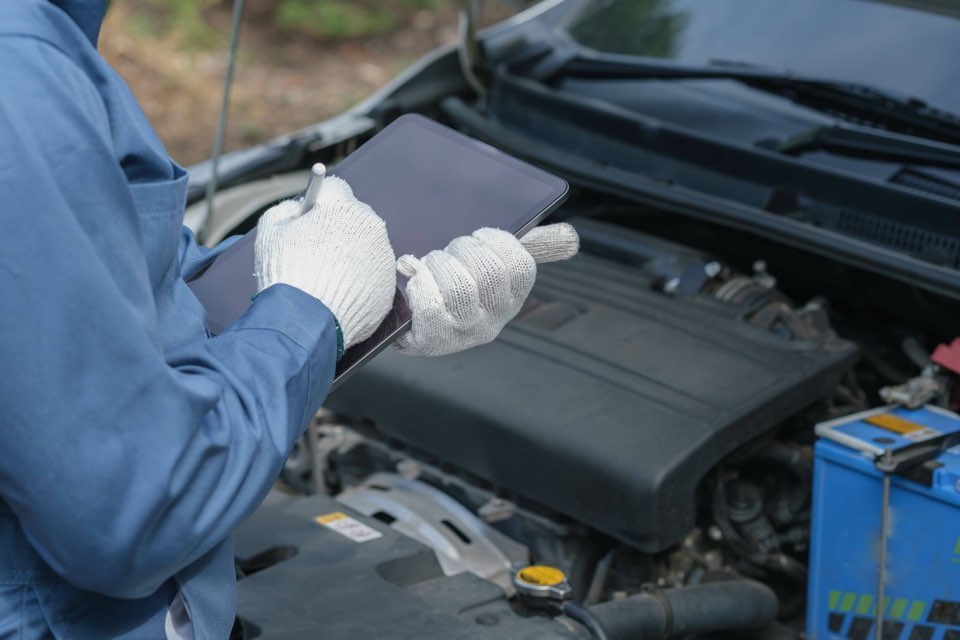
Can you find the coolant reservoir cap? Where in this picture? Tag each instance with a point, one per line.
(541, 581)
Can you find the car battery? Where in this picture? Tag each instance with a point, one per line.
(885, 537)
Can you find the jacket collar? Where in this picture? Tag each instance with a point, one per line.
(87, 14)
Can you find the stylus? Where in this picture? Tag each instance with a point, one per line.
(317, 174)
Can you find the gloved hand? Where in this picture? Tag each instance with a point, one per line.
(338, 252)
(463, 296)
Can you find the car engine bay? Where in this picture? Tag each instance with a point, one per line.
(644, 426)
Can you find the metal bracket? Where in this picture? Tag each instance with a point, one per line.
(468, 50)
(882, 569)
(460, 540)
(896, 461)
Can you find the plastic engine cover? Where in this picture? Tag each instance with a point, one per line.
(605, 400)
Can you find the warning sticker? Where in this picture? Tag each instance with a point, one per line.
(349, 527)
(906, 428)
(894, 423)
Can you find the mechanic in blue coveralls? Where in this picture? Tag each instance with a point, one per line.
(130, 442)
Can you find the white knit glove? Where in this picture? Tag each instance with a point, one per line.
(338, 252)
(463, 296)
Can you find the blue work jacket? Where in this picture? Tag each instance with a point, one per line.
(131, 444)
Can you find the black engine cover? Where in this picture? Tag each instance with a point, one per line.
(605, 400)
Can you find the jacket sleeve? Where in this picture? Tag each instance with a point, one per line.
(123, 463)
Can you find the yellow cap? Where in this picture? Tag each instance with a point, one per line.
(542, 575)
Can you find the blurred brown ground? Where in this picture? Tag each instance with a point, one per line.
(284, 81)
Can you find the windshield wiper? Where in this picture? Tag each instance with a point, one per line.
(864, 104)
(873, 144)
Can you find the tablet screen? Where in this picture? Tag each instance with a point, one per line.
(430, 184)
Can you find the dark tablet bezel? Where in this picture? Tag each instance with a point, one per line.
(352, 170)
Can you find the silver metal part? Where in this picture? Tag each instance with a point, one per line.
(222, 119)
(461, 541)
(762, 276)
(670, 286)
(882, 570)
(324, 440)
(409, 469)
(738, 286)
(553, 590)
(915, 392)
(712, 269)
(497, 509)
(468, 51)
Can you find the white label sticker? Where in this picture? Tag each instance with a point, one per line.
(921, 434)
(349, 527)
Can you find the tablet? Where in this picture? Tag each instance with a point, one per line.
(430, 184)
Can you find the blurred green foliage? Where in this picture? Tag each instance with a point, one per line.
(334, 18)
(183, 18)
(316, 18)
(638, 27)
(346, 18)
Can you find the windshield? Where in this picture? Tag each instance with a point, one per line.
(872, 42)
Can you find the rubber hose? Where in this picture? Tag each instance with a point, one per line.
(587, 619)
(719, 606)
